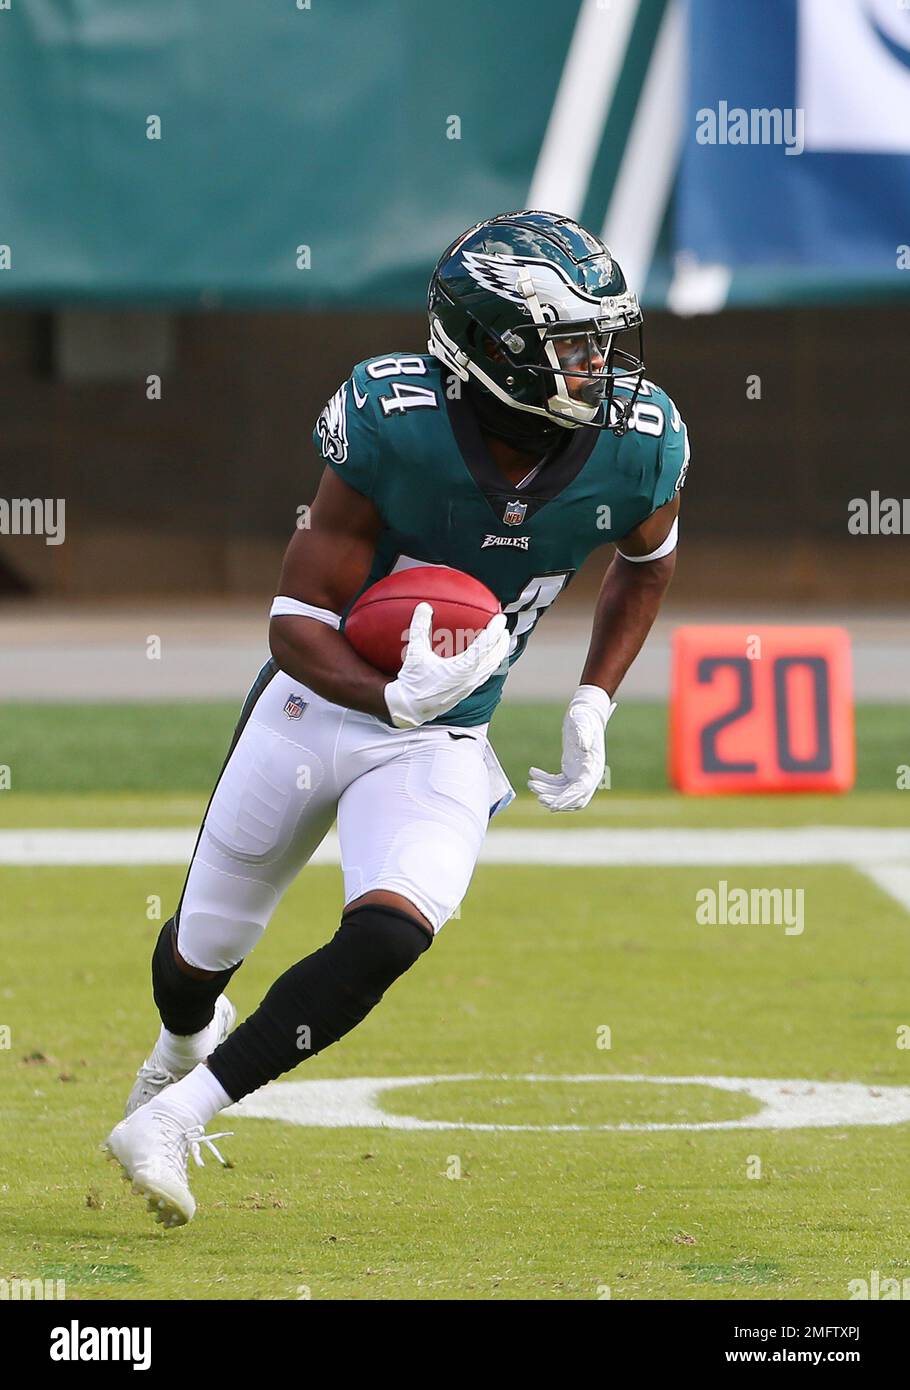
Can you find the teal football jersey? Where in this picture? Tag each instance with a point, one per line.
(402, 432)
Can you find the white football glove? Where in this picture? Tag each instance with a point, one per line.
(429, 685)
(584, 753)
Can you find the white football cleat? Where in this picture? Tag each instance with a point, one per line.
(152, 1077)
(152, 1147)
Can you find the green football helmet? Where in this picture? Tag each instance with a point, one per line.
(526, 301)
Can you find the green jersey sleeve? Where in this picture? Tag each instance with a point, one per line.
(346, 435)
(672, 456)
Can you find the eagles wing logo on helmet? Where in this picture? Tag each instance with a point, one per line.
(554, 289)
(533, 267)
(332, 427)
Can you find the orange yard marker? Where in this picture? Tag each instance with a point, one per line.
(761, 709)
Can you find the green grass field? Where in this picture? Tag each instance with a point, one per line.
(541, 961)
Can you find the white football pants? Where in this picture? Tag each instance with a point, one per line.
(412, 809)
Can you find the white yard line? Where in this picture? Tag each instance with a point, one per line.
(604, 847)
(617, 848)
(89, 848)
(883, 855)
(893, 879)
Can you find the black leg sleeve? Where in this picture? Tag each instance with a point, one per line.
(320, 998)
(186, 1005)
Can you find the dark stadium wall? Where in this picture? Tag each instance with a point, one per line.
(197, 492)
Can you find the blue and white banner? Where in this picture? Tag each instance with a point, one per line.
(795, 174)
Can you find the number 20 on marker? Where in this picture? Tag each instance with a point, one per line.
(761, 709)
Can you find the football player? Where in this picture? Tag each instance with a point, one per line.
(523, 439)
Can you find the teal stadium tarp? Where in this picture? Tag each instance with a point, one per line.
(281, 127)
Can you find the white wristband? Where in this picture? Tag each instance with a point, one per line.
(663, 549)
(597, 699)
(283, 607)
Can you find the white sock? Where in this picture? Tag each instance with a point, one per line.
(180, 1052)
(198, 1096)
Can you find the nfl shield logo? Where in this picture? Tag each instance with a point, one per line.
(514, 513)
(294, 706)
